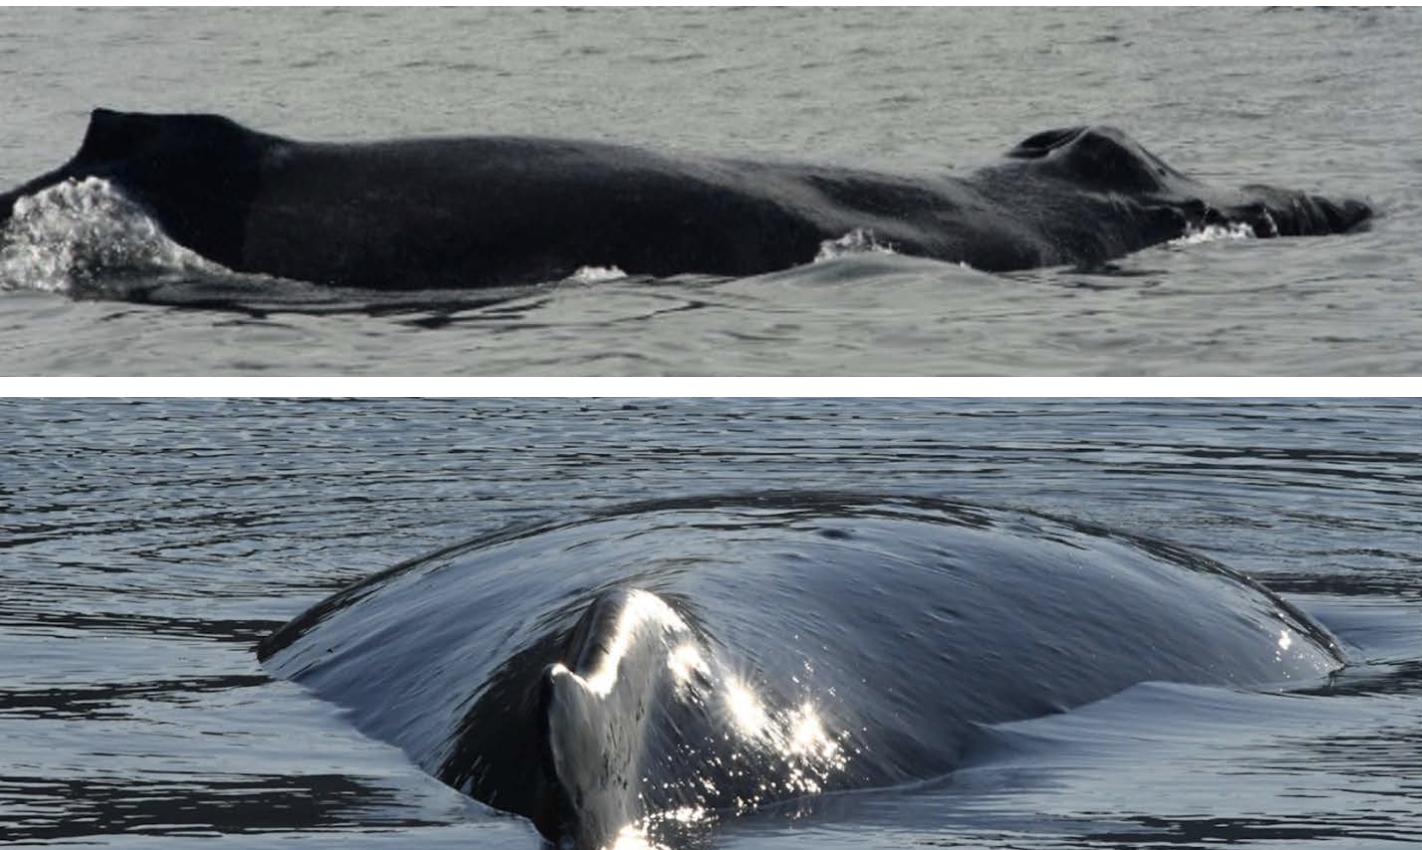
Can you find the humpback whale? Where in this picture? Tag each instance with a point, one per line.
(500, 210)
(642, 667)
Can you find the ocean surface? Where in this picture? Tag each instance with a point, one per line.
(1317, 99)
(149, 545)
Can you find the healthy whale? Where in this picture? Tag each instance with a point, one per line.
(489, 211)
(642, 667)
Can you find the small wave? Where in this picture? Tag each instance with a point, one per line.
(71, 236)
(860, 240)
(1214, 233)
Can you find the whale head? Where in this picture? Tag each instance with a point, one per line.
(1109, 163)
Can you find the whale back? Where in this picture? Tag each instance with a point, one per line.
(696, 658)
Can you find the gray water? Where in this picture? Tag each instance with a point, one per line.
(1324, 100)
(148, 545)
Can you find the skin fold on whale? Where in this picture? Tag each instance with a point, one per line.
(644, 667)
(499, 210)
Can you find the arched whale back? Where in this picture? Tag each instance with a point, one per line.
(710, 655)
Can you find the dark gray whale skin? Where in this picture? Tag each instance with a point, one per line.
(907, 623)
(496, 210)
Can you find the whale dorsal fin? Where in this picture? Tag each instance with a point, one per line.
(601, 709)
(113, 135)
(196, 175)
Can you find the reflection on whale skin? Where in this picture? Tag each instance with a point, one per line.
(497, 211)
(624, 676)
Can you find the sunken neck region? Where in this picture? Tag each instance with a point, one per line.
(497, 210)
(653, 669)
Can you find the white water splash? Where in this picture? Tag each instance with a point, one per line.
(860, 240)
(596, 274)
(1215, 233)
(67, 236)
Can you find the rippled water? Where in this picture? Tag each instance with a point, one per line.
(150, 544)
(1315, 99)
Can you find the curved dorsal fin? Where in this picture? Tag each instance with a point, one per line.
(112, 134)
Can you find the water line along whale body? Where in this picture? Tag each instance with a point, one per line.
(491, 211)
(648, 666)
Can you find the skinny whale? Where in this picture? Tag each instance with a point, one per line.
(641, 667)
(496, 210)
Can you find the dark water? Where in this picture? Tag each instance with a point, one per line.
(1321, 100)
(149, 545)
